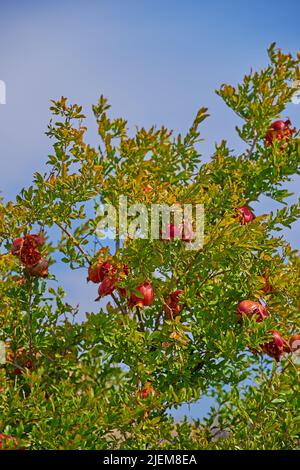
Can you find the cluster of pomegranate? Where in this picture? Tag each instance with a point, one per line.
(27, 249)
(278, 345)
(108, 275)
(249, 308)
(279, 131)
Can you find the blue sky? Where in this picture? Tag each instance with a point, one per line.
(156, 61)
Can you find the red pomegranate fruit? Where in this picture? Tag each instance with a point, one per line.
(279, 130)
(244, 215)
(40, 269)
(276, 347)
(147, 295)
(96, 273)
(250, 308)
(106, 287)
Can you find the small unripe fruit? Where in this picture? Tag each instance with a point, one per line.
(147, 390)
(147, 188)
(147, 292)
(250, 308)
(244, 215)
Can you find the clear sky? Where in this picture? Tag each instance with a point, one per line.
(157, 61)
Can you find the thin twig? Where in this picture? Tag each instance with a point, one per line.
(119, 305)
(73, 239)
(140, 319)
(251, 149)
(29, 317)
(212, 275)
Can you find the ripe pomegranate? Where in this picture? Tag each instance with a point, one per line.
(98, 272)
(172, 306)
(147, 390)
(277, 347)
(294, 342)
(244, 215)
(38, 270)
(109, 280)
(34, 240)
(29, 255)
(17, 245)
(251, 308)
(279, 130)
(147, 292)
(106, 287)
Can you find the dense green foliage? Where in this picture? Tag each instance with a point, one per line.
(83, 390)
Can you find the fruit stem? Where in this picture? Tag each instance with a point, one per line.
(29, 317)
(118, 303)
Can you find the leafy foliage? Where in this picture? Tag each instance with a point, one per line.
(84, 387)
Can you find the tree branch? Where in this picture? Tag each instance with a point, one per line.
(74, 241)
